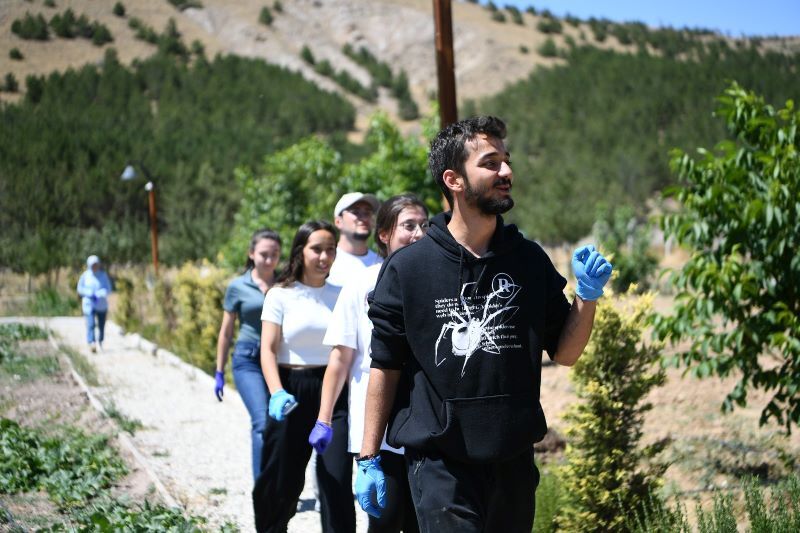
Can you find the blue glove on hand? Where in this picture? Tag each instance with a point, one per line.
(100, 293)
(219, 379)
(592, 271)
(320, 436)
(369, 481)
(280, 404)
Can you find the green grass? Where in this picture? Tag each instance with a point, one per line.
(19, 364)
(52, 302)
(82, 365)
(548, 498)
(129, 425)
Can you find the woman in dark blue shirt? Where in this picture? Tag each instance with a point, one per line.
(244, 299)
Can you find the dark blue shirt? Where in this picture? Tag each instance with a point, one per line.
(244, 298)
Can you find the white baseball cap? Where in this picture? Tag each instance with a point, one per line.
(352, 197)
(92, 260)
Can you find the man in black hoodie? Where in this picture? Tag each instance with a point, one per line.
(460, 321)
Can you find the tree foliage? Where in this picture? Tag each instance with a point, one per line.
(599, 128)
(608, 474)
(63, 147)
(738, 297)
(285, 191)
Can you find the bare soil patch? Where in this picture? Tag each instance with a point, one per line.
(38, 391)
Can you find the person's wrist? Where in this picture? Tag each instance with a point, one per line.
(324, 421)
(220, 372)
(367, 457)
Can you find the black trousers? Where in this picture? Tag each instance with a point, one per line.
(473, 498)
(398, 514)
(286, 454)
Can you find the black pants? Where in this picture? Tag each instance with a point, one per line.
(473, 498)
(286, 453)
(398, 514)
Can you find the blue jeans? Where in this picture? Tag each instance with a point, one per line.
(252, 388)
(100, 316)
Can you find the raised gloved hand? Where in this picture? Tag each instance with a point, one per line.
(369, 481)
(219, 379)
(279, 404)
(592, 271)
(320, 436)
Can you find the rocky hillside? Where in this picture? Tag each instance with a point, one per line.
(489, 53)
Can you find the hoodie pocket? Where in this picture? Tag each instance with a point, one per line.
(489, 428)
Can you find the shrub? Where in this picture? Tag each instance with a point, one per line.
(498, 16)
(549, 25)
(182, 5)
(572, 20)
(31, 28)
(737, 295)
(49, 3)
(324, 68)
(198, 308)
(15, 54)
(523, 49)
(277, 6)
(548, 48)
(10, 84)
(780, 512)
(119, 9)
(516, 16)
(606, 470)
(307, 55)
(265, 17)
(101, 34)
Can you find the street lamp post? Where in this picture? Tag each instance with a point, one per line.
(130, 173)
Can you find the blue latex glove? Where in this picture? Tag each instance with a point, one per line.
(280, 403)
(369, 481)
(592, 271)
(94, 298)
(219, 379)
(320, 436)
(100, 293)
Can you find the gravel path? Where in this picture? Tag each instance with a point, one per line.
(198, 447)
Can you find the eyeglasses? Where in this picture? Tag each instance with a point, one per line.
(411, 227)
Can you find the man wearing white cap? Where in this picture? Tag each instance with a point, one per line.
(354, 216)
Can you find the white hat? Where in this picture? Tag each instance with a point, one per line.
(352, 197)
(92, 260)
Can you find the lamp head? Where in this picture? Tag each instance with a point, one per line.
(128, 174)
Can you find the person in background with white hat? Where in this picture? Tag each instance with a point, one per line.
(94, 288)
(354, 217)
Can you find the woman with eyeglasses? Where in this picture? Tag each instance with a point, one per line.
(401, 220)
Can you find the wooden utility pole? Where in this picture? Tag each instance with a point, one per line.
(445, 62)
(151, 193)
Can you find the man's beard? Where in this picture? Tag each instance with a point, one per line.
(486, 204)
(359, 235)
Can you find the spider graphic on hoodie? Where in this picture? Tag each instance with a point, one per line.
(469, 331)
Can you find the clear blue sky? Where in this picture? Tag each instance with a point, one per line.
(731, 17)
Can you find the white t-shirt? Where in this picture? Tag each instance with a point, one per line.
(351, 327)
(348, 266)
(303, 313)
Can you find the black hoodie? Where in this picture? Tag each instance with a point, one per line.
(468, 334)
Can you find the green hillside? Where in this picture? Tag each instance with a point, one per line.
(598, 129)
(64, 146)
